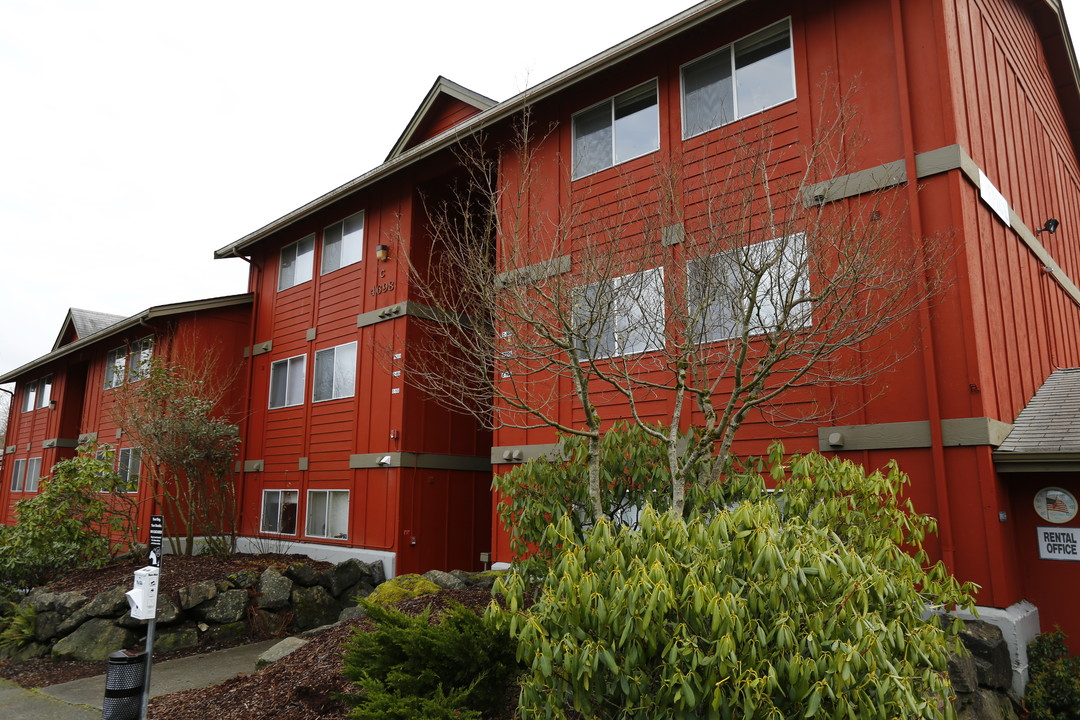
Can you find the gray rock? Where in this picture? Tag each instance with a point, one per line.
(47, 625)
(346, 574)
(166, 614)
(41, 600)
(466, 577)
(445, 580)
(29, 651)
(274, 590)
(111, 603)
(197, 593)
(303, 574)
(228, 633)
(351, 612)
(269, 624)
(68, 602)
(315, 632)
(313, 606)
(987, 705)
(228, 607)
(93, 640)
(279, 651)
(987, 645)
(377, 571)
(178, 639)
(360, 590)
(962, 673)
(245, 579)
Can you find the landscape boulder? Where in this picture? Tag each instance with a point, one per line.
(303, 574)
(166, 614)
(93, 640)
(274, 590)
(178, 639)
(445, 580)
(110, 604)
(401, 587)
(278, 651)
(226, 607)
(313, 606)
(197, 593)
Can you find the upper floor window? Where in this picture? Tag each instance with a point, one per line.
(129, 363)
(619, 129)
(37, 394)
(760, 288)
(621, 316)
(738, 80)
(128, 467)
(343, 243)
(287, 382)
(335, 372)
(297, 260)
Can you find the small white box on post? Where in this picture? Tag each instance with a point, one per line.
(143, 597)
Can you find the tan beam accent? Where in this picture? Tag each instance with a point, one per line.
(88, 437)
(856, 183)
(260, 349)
(253, 466)
(955, 432)
(533, 273)
(10, 449)
(426, 461)
(401, 309)
(513, 454)
(59, 443)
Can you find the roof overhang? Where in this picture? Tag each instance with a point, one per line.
(158, 311)
(441, 87)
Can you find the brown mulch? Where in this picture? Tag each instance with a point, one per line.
(176, 572)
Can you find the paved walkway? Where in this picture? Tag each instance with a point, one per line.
(82, 699)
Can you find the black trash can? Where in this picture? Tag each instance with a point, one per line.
(124, 685)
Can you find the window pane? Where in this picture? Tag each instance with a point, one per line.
(715, 301)
(305, 259)
(637, 129)
(279, 374)
(324, 375)
(295, 394)
(288, 512)
(331, 258)
(345, 370)
(352, 241)
(30, 399)
(316, 513)
(17, 474)
(707, 101)
(128, 465)
(641, 311)
(780, 296)
(763, 70)
(594, 320)
(287, 269)
(338, 515)
(271, 511)
(44, 391)
(33, 473)
(115, 363)
(592, 140)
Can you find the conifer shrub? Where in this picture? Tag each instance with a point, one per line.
(800, 603)
(409, 668)
(1054, 690)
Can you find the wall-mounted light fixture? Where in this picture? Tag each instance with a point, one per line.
(52, 404)
(1049, 226)
(382, 252)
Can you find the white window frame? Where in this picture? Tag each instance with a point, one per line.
(612, 104)
(33, 475)
(302, 256)
(350, 245)
(123, 468)
(292, 397)
(732, 52)
(30, 396)
(18, 475)
(44, 392)
(281, 505)
(115, 367)
(327, 513)
(794, 269)
(343, 382)
(614, 333)
(139, 354)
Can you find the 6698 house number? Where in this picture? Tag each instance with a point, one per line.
(381, 288)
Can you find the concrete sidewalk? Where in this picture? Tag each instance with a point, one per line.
(82, 699)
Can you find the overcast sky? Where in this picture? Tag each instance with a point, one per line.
(137, 137)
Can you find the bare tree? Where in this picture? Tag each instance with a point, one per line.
(176, 410)
(690, 299)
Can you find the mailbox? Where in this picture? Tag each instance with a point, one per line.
(143, 597)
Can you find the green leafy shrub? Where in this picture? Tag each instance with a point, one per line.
(68, 524)
(778, 607)
(408, 668)
(1054, 690)
(17, 626)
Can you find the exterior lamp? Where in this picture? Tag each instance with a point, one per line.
(1049, 226)
(382, 252)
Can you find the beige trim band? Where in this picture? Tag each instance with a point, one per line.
(516, 454)
(408, 308)
(533, 273)
(88, 437)
(59, 443)
(426, 461)
(253, 466)
(955, 432)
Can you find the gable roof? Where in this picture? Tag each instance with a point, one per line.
(1047, 430)
(79, 323)
(1049, 14)
(439, 92)
(123, 325)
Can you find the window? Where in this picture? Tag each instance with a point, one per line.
(621, 316)
(738, 80)
(30, 396)
(343, 243)
(620, 129)
(296, 262)
(335, 372)
(33, 474)
(18, 475)
(129, 363)
(328, 514)
(769, 280)
(128, 466)
(287, 382)
(279, 512)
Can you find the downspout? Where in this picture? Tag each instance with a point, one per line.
(933, 401)
(245, 419)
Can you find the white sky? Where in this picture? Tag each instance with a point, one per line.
(137, 137)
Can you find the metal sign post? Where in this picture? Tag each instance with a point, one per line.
(157, 526)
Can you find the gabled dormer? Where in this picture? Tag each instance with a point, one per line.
(82, 323)
(445, 105)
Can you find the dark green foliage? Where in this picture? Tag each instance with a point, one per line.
(17, 627)
(1054, 690)
(409, 668)
(67, 524)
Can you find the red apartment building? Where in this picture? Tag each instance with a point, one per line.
(970, 114)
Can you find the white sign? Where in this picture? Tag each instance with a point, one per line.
(993, 197)
(1059, 543)
(143, 597)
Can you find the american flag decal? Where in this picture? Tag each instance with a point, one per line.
(1054, 503)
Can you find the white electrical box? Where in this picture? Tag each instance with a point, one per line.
(143, 597)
